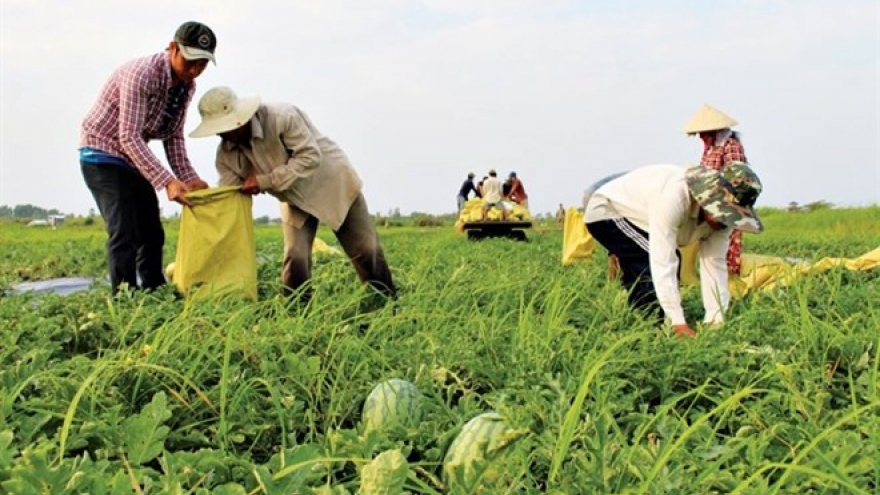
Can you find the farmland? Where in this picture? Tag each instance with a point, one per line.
(151, 393)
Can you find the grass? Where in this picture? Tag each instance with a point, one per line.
(266, 396)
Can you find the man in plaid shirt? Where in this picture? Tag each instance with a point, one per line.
(144, 99)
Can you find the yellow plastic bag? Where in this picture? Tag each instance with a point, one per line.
(690, 271)
(577, 243)
(764, 273)
(216, 252)
(473, 212)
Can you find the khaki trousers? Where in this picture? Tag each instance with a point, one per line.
(358, 237)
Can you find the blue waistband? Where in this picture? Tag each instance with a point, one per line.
(96, 156)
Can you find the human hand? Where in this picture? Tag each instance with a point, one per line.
(176, 191)
(684, 330)
(250, 185)
(195, 185)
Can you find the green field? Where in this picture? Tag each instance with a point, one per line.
(149, 393)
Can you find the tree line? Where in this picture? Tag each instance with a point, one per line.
(26, 211)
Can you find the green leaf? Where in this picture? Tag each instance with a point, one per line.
(230, 489)
(386, 475)
(7, 451)
(144, 433)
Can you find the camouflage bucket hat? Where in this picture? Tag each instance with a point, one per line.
(728, 194)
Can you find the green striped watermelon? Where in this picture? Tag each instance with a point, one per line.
(393, 403)
(469, 459)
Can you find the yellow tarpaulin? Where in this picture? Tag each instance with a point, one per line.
(216, 252)
(768, 272)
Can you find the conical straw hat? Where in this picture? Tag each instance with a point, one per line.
(709, 118)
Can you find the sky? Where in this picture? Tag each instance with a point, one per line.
(421, 92)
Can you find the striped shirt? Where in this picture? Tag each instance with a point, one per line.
(140, 103)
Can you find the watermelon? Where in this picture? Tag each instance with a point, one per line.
(469, 459)
(392, 404)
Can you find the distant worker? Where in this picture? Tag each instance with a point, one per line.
(275, 148)
(480, 186)
(466, 188)
(506, 184)
(492, 195)
(560, 214)
(721, 146)
(517, 192)
(645, 215)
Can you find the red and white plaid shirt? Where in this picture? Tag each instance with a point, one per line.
(131, 110)
(727, 148)
(719, 155)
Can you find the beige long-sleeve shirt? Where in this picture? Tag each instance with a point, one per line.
(294, 162)
(656, 199)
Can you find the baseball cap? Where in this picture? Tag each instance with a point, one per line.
(728, 194)
(196, 41)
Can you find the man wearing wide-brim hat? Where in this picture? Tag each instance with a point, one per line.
(275, 148)
(721, 146)
(643, 216)
(144, 99)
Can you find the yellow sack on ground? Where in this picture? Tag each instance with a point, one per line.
(577, 243)
(755, 270)
(321, 247)
(769, 272)
(216, 252)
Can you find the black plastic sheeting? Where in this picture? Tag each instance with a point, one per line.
(61, 286)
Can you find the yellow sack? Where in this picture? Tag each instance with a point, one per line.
(321, 247)
(690, 271)
(763, 273)
(577, 243)
(216, 252)
(473, 212)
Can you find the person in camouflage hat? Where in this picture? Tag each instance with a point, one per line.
(642, 217)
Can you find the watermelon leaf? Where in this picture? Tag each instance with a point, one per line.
(144, 433)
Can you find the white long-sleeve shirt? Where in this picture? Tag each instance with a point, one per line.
(656, 199)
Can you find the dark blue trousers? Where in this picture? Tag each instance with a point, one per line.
(630, 244)
(130, 209)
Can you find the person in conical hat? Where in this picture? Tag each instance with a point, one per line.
(721, 146)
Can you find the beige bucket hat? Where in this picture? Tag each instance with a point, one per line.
(709, 118)
(222, 111)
